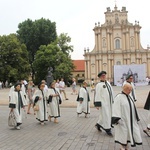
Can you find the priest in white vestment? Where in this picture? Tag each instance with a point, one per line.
(147, 107)
(83, 99)
(125, 119)
(129, 79)
(40, 99)
(54, 99)
(103, 102)
(17, 103)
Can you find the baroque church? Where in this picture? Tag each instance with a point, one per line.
(117, 42)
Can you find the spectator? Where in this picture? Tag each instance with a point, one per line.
(57, 85)
(62, 88)
(74, 91)
(30, 93)
(0, 85)
(6, 84)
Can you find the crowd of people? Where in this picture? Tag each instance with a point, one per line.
(118, 112)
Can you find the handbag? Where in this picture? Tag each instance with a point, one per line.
(49, 99)
(12, 120)
(60, 100)
(36, 107)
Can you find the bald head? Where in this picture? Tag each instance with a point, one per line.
(127, 88)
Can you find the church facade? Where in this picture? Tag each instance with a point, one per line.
(117, 42)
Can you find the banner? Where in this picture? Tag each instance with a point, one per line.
(138, 72)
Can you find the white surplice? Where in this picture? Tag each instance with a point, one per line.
(125, 118)
(54, 109)
(85, 105)
(103, 99)
(133, 92)
(14, 101)
(42, 113)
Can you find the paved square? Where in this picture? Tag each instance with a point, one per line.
(71, 133)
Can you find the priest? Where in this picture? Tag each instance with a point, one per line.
(103, 102)
(129, 79)
(125, 119)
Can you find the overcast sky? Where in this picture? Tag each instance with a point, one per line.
(77, 18)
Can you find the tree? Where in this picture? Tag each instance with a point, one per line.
(52, 56)
(14, 63)
(63, 42)
(36, 33)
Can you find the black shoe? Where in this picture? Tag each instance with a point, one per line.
(145, 131)
(97, 126)
(109, 133)
(67, 99)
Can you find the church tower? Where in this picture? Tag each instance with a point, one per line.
(117, 42)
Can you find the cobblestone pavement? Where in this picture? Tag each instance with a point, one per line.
(71, 133)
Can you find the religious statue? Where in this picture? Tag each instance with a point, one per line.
(49, 78)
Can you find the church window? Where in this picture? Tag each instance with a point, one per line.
(117, 44)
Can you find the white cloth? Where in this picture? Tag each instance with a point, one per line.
(54, 109)
(104, 94)
(62, 85)
(57, 85)
(133, 92)
(127, 129)
(85, 105)
(42, 113)
(148, 125)
(14, 100)
(46, 88)
(12, 89)
(25, 82)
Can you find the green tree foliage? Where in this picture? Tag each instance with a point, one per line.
(64, 43)
(14, 63)
(36, 33)
(52, 56)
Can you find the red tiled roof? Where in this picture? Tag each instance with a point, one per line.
(79, 65)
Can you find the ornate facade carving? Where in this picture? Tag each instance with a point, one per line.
(117, 42)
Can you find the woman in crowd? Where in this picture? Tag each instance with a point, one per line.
(83, 100)
(54, 99)
(74, 91)
(17, 102)
(30, 93)
(40, 99)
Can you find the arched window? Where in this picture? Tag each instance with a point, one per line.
(117, 43)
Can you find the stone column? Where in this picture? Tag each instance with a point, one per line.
(108, 42)
(99, 42)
